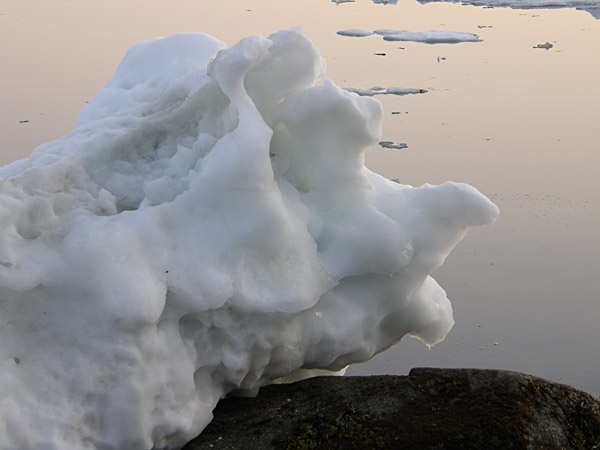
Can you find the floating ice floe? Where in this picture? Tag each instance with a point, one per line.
(428, 37)
(392, 145)
(355, 33)
(591, 6)
(546, 46)
(208, 225)
(377, 90)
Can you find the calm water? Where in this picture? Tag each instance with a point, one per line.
(519, 123)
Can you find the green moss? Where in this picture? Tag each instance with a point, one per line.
(332, 429)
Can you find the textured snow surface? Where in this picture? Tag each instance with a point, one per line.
(208, 225)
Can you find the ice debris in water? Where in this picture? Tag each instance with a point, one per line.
(355, 32)
(392, 145)
(428, 37)
(378, 90)
(591, 6)
(208, 225)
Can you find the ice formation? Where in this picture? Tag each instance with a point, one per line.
(208, 225)
(355, 32)
(428, 37)
(392, 90)
(392, 145)
(591, 6)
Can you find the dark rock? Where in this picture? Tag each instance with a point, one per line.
(428, 409)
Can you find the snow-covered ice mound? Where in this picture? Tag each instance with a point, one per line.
(208, 225)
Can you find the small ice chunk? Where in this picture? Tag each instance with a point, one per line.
(404, 91)
(391, 144)
(546, 46)
(377, 90)
(355, 32)
(429, 37)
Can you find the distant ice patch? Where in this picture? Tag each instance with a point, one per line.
(355, 32)
(208, 225)
(591, 6)
(378, 90)
(428, 37)
(392, 145)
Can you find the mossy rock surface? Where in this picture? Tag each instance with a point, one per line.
(428, 409)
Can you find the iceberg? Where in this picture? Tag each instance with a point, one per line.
(209, 225)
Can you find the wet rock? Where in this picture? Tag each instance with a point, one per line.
(428, 409)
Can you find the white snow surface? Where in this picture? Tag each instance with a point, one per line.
(208, 225)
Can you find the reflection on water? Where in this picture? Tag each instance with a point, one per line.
(517, 122)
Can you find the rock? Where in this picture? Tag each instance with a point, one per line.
(428, 409)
